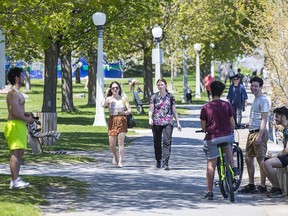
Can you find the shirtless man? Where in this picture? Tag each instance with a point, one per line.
(15, 128)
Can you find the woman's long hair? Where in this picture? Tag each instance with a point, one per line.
(164, 81)
(120, 90)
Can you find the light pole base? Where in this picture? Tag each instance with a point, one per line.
(100, 120)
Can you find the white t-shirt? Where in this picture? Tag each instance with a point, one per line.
(231, 72)
(260, 105)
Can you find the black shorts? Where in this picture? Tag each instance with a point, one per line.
(283, 159)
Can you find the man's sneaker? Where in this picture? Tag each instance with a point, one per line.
(261, 189)
(158, 164)
(166, 167)
(209, 196)
(275, 192)
(236, 171)
(18, 183)
(250, 188)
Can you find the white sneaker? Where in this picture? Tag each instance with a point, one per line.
(18, 183)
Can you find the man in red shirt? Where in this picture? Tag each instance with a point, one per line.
(207, 81)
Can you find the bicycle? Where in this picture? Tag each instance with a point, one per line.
(228, 182)
(238, 160)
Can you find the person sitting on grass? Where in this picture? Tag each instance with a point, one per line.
(269, 165)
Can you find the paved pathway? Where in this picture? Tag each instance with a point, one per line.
(141, 189)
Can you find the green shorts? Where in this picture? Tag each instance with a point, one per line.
(15, 133)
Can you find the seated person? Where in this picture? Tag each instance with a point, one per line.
(269, 165)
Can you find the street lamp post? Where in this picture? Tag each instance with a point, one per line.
(212, 46)
(2, 60)
(197, 48)
(185, 80)
(99, 20)
(157, 34)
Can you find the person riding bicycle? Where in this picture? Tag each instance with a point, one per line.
(218, 123)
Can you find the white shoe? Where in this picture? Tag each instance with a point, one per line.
(18, 183)
(120, 165)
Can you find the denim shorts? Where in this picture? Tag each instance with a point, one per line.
(283, 159)
(210, 146)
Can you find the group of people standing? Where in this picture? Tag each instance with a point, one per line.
(218, 119)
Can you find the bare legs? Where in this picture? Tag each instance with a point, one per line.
(112, 141)
(251, 170)
(210, 172)
(15, 162)
(228, 152)
(269, 169)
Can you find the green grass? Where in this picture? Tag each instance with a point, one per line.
(77, 134)
(25, 202)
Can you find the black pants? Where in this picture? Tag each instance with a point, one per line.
(162, 152)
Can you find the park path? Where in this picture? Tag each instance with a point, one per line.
(141, 189)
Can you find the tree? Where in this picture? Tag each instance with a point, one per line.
(269, 31)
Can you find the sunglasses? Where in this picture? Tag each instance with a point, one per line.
(236, 79)
(115, 88)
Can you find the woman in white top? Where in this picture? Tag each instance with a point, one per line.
(119, 107)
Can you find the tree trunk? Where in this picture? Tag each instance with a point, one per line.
(77, 76)
(147, 74)
(50, 77)
(92, 61)
(67, 89)
(28, 79)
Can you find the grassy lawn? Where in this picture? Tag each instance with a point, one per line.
(26, 202)
(77, 133)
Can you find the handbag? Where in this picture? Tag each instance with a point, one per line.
(130, 119)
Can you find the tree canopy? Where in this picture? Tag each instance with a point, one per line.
(32, 26)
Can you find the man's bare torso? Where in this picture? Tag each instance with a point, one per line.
(15, 103)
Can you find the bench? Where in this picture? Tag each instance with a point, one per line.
(43, 133)
(282, 173)
(138, 102)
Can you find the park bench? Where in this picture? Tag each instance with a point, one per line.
(138, 102)
(42, 132)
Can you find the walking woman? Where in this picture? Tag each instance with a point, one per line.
(119, 107)
(162, 110)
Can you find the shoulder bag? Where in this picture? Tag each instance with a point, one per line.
(130, 119)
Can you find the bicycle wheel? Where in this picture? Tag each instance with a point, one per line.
(221, 181)
(229, 180)
(226, 183)
(239, 162)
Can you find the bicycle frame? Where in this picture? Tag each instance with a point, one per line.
(226, 176)
(222, 164)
